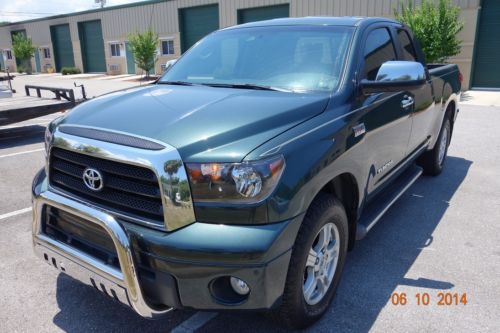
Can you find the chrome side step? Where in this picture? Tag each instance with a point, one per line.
(376, 209)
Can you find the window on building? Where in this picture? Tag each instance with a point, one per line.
(378, 49)
(46, 52)
(167, 47)
(115, 50)
(408, 49)
(8, 54)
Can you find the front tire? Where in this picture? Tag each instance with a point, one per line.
(316, 264)
(433, 160)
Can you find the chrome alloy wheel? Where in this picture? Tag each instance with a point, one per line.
(442, 145)
(321, 264)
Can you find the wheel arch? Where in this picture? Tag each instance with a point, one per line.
(451, 108)
(345, 188)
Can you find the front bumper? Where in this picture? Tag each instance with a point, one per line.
(190, 258)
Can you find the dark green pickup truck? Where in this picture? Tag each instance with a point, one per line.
(242, 177)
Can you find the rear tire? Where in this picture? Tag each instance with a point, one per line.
(433, 160)
(325, 216)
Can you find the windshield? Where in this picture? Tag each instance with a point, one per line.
(294, 58)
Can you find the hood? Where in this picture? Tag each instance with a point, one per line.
(203, 123)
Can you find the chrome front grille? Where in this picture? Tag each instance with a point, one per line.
(129, 190)
(138, 181)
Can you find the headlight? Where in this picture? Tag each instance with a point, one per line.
(246, 182)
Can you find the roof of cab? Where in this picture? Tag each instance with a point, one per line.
(353, 21)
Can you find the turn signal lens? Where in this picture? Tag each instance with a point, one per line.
(235, 182)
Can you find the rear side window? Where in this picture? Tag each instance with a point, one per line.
(378, 49)
(408, 49)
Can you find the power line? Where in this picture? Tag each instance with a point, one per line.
(26, 13)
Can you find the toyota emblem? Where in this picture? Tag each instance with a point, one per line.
(93, 179)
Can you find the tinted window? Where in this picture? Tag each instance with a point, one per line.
(297, 58)
(408, 50)
(378, 49)
(167, 47)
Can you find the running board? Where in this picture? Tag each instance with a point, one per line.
(376, 209)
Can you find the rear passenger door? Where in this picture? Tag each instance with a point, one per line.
(387, 123)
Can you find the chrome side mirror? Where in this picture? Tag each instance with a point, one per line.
(169, 64)
(396, 76)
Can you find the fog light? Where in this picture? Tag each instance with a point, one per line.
(239, 286)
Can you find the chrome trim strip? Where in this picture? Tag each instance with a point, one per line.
(87, 266)
(166, 164)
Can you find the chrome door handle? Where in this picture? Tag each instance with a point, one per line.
(407, 102)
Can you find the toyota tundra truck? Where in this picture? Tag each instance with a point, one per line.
(242, 177)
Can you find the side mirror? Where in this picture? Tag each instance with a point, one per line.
(169, 64)
(396, 76)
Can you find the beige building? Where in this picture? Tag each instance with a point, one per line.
(96, 40)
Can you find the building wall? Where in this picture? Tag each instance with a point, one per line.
(117, 24)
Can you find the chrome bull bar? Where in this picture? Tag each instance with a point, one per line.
(123, 285)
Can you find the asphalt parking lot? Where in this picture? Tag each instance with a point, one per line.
(443, 235)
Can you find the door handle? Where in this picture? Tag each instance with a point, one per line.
(407, 102)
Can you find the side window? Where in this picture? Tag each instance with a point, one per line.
(407, 45)
(378, 49)
(115, 50)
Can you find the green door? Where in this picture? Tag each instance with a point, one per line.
(487, 49)
(2, 64)
(38, 66)
(197, 22)
(263, 13)
(92, 45)
(62, 46)
(130, 59)
(18, 32)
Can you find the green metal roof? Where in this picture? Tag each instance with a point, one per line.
(89, 11)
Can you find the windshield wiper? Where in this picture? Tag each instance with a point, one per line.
(245, 86)
(177, 83)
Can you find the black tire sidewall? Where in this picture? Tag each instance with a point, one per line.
(332, 211)
(429, 161)
(437, 165)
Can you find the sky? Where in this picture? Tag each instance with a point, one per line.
(20, 10)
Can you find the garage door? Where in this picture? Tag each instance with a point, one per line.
(92, 45)
(486, 69)
(197, 22)
(63, 49)
(262, 13)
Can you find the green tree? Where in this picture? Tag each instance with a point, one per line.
(143, 46)
(23, 50)
(436, 27)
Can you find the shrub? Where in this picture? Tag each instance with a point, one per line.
(22, 46)
(143, 46)
(70, 70)
(435, 27)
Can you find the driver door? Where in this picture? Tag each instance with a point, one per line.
(386, 120)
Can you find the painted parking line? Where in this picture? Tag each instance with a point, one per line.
(14, 213)
(194, 322)
(22, 152)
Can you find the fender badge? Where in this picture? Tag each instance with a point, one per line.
(359, 130)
